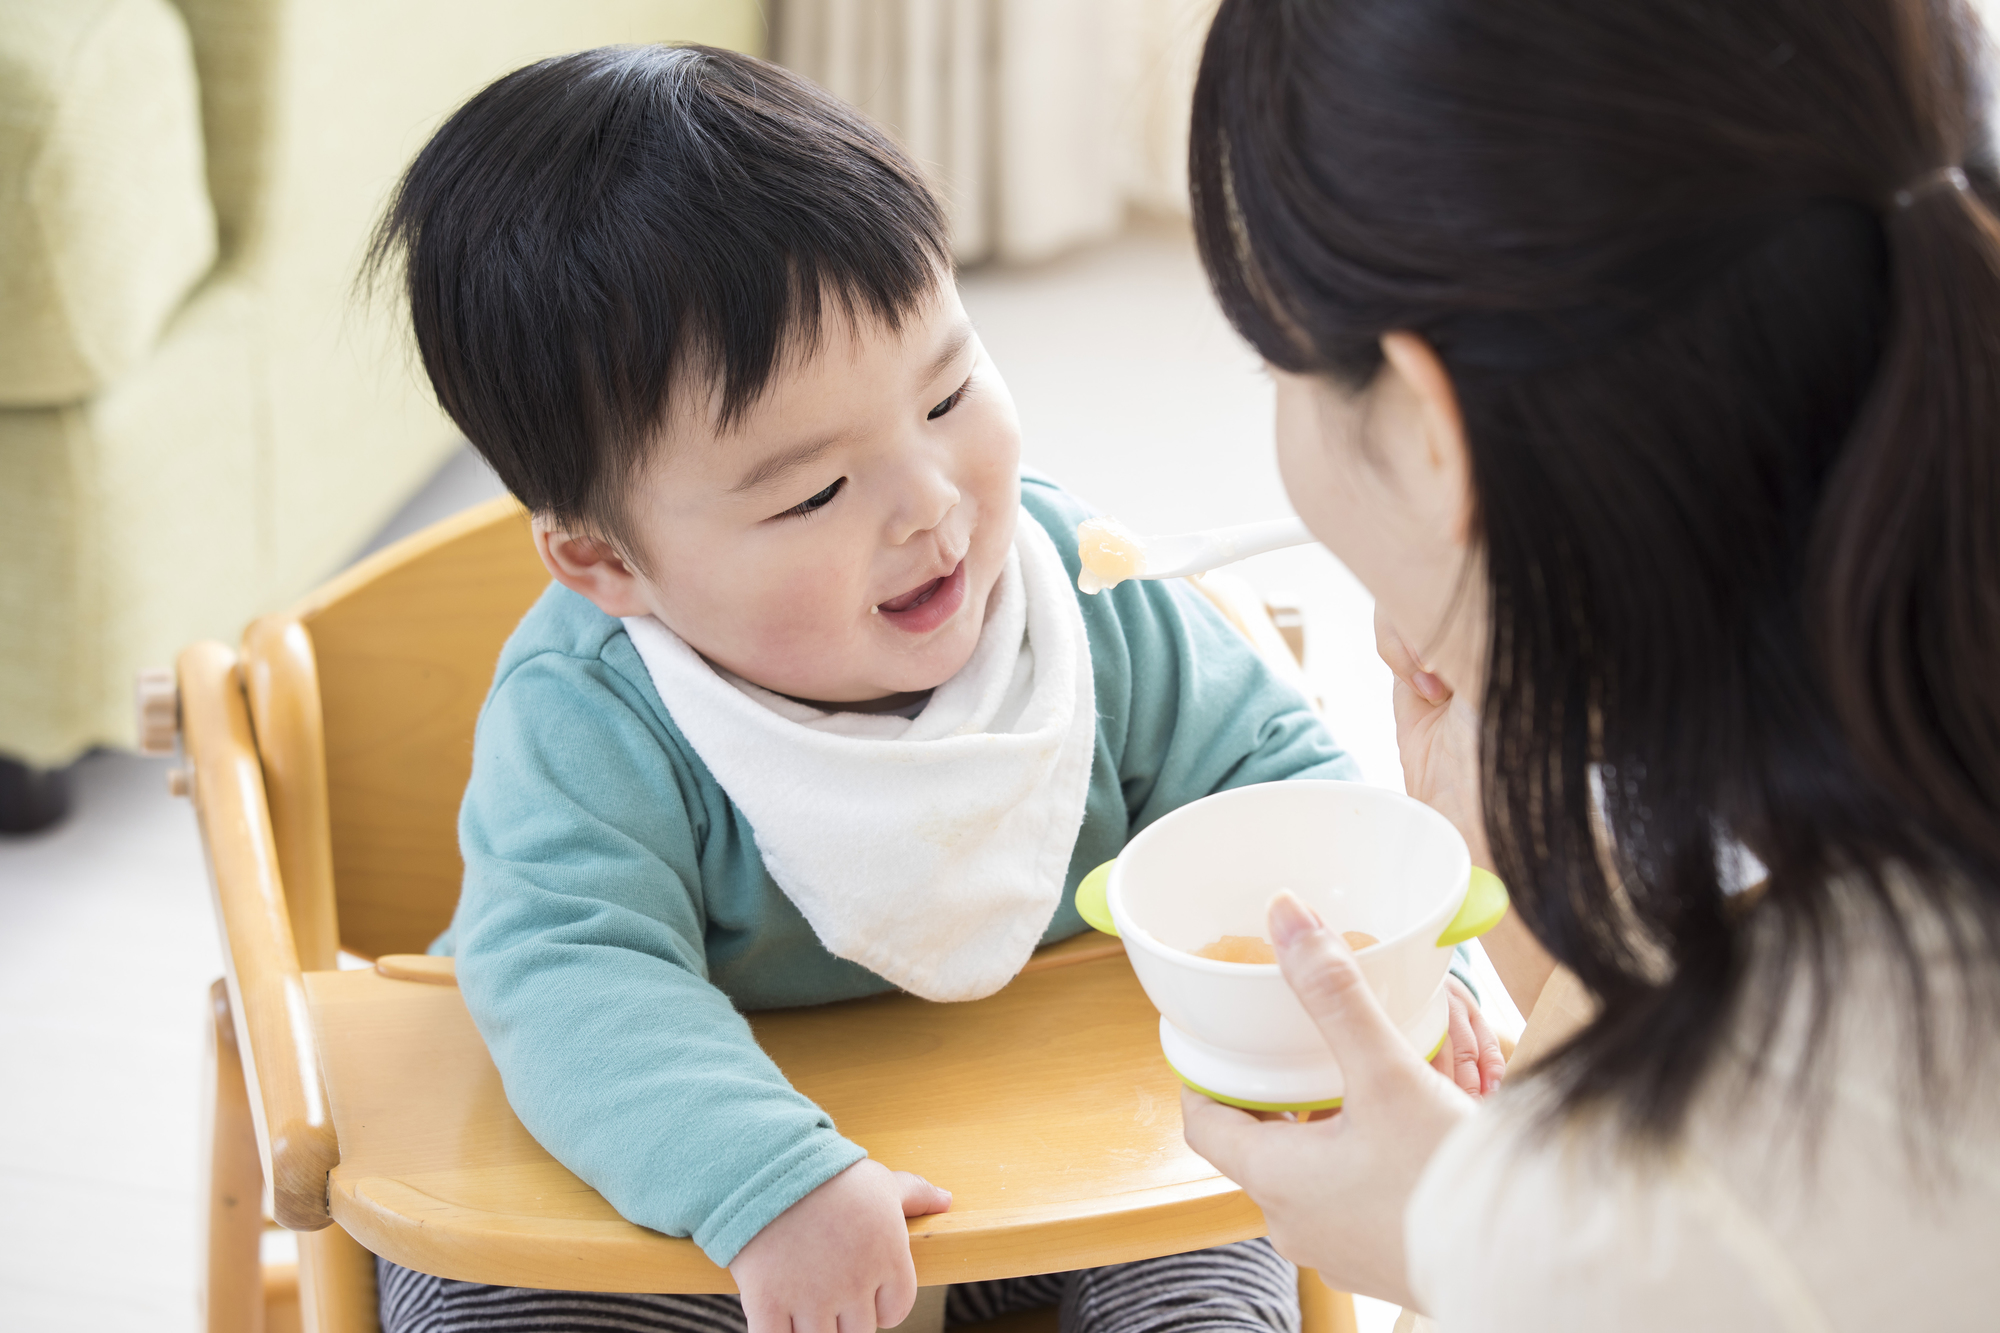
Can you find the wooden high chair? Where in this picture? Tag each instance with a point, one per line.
(326, 758)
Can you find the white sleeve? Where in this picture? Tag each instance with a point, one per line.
(1518, 1226)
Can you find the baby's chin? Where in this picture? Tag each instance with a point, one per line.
(886, 671)
(888, 680)
(936, 662)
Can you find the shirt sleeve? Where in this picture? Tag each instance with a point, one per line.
(1201, 712)
(579, 936)
(1520, 1225)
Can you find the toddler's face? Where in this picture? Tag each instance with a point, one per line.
(839, 542)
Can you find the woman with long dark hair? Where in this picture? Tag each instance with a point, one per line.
(1644, 361)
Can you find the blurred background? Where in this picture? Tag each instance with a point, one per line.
(200, 420)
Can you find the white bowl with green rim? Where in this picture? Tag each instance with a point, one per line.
(1365, 858)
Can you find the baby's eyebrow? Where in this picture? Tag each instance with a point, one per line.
(953, 345)
(778, 464)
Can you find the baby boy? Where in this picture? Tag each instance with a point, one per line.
(813, 709)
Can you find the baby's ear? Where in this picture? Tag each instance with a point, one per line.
(592, 567)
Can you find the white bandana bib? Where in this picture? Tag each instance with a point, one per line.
(930, 849)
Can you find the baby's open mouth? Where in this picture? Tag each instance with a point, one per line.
(916, 596)
(928, 605)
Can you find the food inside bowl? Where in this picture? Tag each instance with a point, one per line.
(1238, 949)
(1256, 949)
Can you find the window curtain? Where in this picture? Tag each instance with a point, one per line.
(1042, 123)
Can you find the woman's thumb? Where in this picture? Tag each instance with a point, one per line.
(1323, 972)
(920, 1197)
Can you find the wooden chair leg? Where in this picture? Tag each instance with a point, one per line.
(281, 1298)
(1322, 1309)
(336, 1284)
(232, 1286)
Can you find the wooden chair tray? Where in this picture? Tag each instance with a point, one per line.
(1046, 1109)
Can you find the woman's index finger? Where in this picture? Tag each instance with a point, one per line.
(1222, 1135)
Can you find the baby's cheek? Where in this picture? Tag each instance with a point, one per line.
(997, 465)
(808, 615)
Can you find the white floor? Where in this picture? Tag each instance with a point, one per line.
(1132, 392)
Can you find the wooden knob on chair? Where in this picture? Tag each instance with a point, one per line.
(158, 699)
(1290, 620)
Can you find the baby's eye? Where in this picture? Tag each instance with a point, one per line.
(949, 403)
(817, 502)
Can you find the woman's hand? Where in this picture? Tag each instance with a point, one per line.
(1437, 735)
(1334, 1190)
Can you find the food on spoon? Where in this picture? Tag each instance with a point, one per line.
(1111, 553)
(1256, 949)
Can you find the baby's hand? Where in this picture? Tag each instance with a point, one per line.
(838, 1260)
(1470, 1056)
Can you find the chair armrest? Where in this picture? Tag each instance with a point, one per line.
(105, 219)
(274, 1030)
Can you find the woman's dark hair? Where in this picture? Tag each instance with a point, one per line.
(1725, 330)
(593, 231)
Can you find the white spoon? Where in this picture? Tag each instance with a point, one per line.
(1112, 553)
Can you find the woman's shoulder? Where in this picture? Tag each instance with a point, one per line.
(1824, 1202)
(1522, 1223)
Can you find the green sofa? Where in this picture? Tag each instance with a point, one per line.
(198, 419)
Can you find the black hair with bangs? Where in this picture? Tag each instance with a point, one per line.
(596, 231)
(1718, 286)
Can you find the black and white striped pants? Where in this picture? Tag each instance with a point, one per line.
(1241, 1288)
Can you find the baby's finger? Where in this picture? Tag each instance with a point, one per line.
(920, 1197)
(766, 1317)
(893, 1302)
(1492, 1064)
(1462, 1042)
(1492, 1060)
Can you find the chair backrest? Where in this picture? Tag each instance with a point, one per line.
(364, 698)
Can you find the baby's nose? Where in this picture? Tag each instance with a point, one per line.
(930, 501)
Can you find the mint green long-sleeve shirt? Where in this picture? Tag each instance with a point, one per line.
(616, 921)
